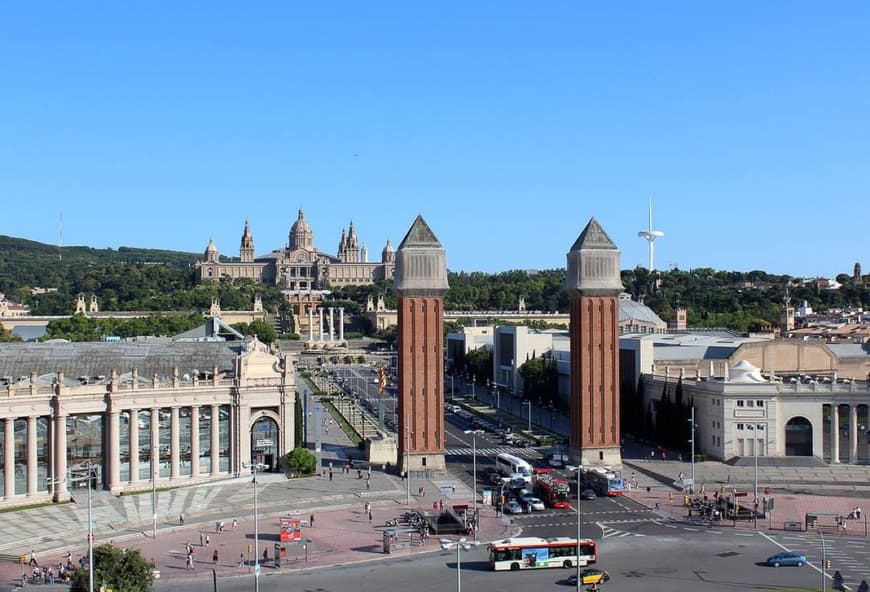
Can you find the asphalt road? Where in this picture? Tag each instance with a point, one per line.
(677, 562)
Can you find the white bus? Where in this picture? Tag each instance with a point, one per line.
(512, 466)
(537, 553)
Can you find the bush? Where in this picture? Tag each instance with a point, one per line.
(119, 569)
(300, 461)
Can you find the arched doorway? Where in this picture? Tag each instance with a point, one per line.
(799, 437)
(264, 442)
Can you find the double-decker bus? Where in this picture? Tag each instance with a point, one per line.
(604, 482)
(553, 491)
(513, 466)
(536, 553)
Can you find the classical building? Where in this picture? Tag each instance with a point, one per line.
(186, 412)
(300, 266)
(770, 398)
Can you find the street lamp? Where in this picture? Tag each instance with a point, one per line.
(254, 467)
(474, 434)
(577, 470)
(755, 428)
(460, 545)
(692, 440)
(528, 403)
(473, 381)
(88, 475)
(154, 470)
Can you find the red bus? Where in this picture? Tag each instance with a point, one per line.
(554, 491)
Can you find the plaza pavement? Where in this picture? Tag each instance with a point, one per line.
(342, 532)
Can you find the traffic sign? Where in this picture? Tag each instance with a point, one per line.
(257, 569)
(741, 493)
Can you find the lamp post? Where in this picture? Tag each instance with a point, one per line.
(528, 403)
(692, 440)
(497, 398)
(755, 428)
(577, 470)
(89, 468)
(473, 381)
(254, 467)
(824, 561)
(474, 434)
(154, 470)
(460, 545)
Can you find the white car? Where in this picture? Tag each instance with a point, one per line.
(535, 503)
(512, 507)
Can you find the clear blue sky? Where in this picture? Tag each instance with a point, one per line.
(507, 125)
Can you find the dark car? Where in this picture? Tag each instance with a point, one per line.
(787, 558)
(588, 494)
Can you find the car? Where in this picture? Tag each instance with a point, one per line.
(495, 479)
(535, 503)
(587, 494)
(590, 576)
(512, 507)
(787, 558)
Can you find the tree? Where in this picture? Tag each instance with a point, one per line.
(300, 460)
(122, 570)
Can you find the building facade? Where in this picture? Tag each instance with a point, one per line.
(178, 412)
(300, 266)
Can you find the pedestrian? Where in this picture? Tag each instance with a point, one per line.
(453, 486)
(190, 560)
(370, 515)
(241, 560)
(235, 524)
(359, 473)
(33, 561)
(858, 512)
(330, 473)
(216, 557)
(221, 527)
(368, 483)
(311, 521)
(266, 555)
(181, 518)
(68, 557)
(201, 539)
(217, 526)
(207, 541)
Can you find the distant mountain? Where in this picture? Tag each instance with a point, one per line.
(12, 250)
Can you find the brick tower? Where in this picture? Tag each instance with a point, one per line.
(593, 284)
(420, 283)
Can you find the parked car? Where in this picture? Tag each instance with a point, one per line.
(787, 558)
(590, 576)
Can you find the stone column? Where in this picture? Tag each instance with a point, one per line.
(61, 486)
(155, 443)
(113, 461)
(215, 440)
(835, 433)
(310, 323)
(173, 445)
(194, 441)
(9, 457)
(341, 324)
(134, 445)
(320, 322)
(32, 473)
(331, 323)
(853, 434)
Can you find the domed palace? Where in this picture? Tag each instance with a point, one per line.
(300, 266)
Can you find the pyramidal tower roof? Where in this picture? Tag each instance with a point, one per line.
(421, 263)
(420, 235)
(593, 263)
(593, 237)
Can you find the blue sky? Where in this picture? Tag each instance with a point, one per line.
(506, 125)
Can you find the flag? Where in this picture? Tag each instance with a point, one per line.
(382, 380)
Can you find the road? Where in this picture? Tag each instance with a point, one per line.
(677, 562)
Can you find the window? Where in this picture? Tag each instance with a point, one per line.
(740, 402)
(759, 403)
(714, 440)
(739, 426)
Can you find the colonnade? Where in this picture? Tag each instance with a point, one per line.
(853, 431)
(329, 334)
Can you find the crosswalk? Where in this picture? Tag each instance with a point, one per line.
(530, 453)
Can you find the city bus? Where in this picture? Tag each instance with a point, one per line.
(535, 553)
(509, 465)
(554, 491)
(604, 482)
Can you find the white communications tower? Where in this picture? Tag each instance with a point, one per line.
(650, 236)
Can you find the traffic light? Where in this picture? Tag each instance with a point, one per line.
(827, 564)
